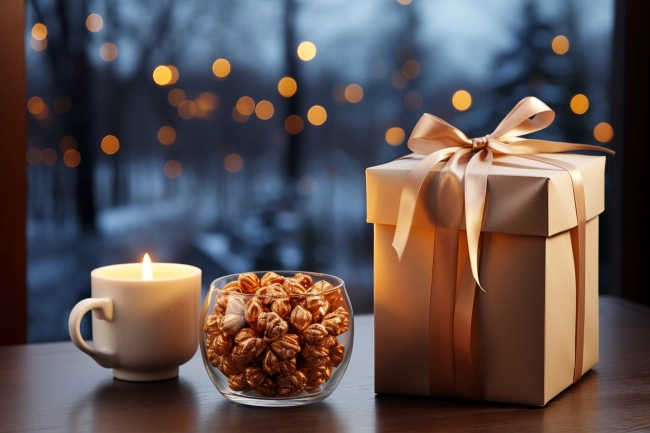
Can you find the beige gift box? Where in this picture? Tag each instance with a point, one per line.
(523, 330)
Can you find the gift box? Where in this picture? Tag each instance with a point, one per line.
(486, 262)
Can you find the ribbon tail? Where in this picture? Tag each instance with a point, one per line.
(410, 193)
(476, 178)
(581, 262)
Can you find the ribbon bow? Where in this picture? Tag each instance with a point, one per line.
(463, 185)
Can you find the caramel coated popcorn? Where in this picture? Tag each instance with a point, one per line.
(282, 340)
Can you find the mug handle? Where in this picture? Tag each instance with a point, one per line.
(103, 311)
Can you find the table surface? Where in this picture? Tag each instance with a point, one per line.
(55, 387)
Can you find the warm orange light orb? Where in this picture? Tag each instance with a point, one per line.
(395, 136)
(560, 45)
(579, 104)
(603, 132)
(306, 51)
(461, 100)
(317, 115)
(287, 87)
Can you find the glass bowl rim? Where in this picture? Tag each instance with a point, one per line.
(341, 284)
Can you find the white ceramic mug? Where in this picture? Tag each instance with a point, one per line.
(142, 329)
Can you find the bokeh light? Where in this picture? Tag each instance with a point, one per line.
(110, 144)
(39, 31)
(62, 104)
(43, 115)
(338, 93)
(560, 44)
(353, 93)
(176, 97)
(35, 105)
(67, 143)
(211, 100)
(201, 107)
(306, 51)
(413, 100)
(411, 69)
(38, 45)
(395, 136)
(166, 135)
(306, 185)
(603, 132)
(33, 156)
(233, 163)
(71, 158)
(187, 109)
(162, 75)
(287, 87)
(245, 105)
(221, 68)
(108, 52)
(317, 115)
(237, 116)
(294, 124)
(94, 22)
(404, 2)
(172, 169)
(579, 104)
(264, 110)
(399, 80)
(461, 100)
(379, 70)
(49, 156)
(175, 74)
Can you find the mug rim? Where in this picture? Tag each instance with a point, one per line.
(339, 285)
(95, 273)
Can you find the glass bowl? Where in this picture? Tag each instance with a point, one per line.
(280, 338)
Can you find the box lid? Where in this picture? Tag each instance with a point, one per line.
(524, 197)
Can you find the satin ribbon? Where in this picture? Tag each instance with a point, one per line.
(463, 186)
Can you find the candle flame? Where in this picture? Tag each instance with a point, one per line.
(146, 268)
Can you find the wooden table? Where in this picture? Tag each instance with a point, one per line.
(55, 387)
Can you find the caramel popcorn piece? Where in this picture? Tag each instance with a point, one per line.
(300, 318)
(329, 342)
(272, 278)
(271, 363)
(304, 280)
(254, 376)
(212, 325)
(288, 365)
(287, 346)
(249, 282)
(337, 322)
(231, 324)
(312, 390)
(317, 306)
(314, 352)
(267, 388)
(315, 333)
(321, 286)
(244, 334)
(233, 286)
(275, 327)
(291, 383)
(336, 354)
(248, 350)
(222, 343)
(293, 287)
(237, 382)
(269, 294)
(252, 311)
(228, 366)
(281, 307)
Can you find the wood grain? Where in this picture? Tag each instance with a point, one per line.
(54, 387)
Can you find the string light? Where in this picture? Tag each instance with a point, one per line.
(110, 144)
(395, 136)
(603, 132)
(172, 169)
(39, 32)
(560, 44)
(287, 87)
(176, 97)
(317, 115)
(306, 51)
(71, 158)
(461, 100)
(94, 23)
(233, 163)
(166, 135)
(579, 104)
(264, 110)
(221, 68)
(294, 124)
(108, 52)
(246, 105)
(175, 74)
(35, 105)
(353, 93)
(162, 75)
